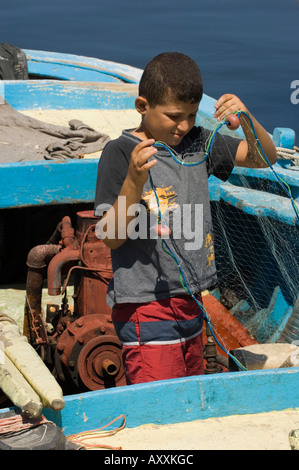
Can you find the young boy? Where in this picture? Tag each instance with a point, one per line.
(159, 324)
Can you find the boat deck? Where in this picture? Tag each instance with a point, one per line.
(261, 431)
(110, 122)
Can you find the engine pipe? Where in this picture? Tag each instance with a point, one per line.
(109, 367)
(55, 269)
(38, 258)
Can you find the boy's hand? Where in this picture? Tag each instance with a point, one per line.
(248, 154)
(139, 164)
(228, 104)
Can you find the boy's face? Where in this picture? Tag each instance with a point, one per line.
(169, 122)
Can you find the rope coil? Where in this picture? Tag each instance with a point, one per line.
(84, 436)
(289, 154)
(20, 423)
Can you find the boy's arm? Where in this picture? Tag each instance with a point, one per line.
(130, 192)
(247, 154)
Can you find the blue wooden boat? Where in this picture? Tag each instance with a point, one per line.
(258, 281)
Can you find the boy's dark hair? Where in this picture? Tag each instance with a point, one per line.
(171, 74)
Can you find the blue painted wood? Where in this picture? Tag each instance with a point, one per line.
(52, 94)
(267, 324)
(255, 178)
(124, 72)
(284, 137)
(42, 183)
(65, 72)
(181, 400)
(259, 203)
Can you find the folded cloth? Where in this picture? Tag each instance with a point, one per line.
(23, 138)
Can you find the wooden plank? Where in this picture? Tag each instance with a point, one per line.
(181, 400)
(55, 182)
(52, 94)
(122, 71)
(65, 72)
(259, 203)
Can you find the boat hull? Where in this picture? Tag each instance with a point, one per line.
(181, 400)
(43, 185)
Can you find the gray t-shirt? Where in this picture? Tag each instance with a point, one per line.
(143, 271)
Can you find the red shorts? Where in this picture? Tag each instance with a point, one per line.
(160, 339)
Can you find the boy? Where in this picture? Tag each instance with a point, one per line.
(159, 324)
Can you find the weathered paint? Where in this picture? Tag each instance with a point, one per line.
(42, 183)
(259, 203)
(48, 182)
(284, 137)
(52, 94)
(271, 320)
(254, 178)
(66, 72)
(41, 61)
(182, 400)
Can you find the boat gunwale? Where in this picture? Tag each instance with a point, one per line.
(121, 71)
(180, 400)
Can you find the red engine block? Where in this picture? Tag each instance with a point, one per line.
(85, 350)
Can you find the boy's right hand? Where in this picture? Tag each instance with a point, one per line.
(139, 164)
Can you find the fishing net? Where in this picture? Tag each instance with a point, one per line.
(257, 252)
(255, 224)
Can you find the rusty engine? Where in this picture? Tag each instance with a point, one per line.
(77, 342)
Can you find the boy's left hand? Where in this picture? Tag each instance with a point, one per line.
(228, 104)
(247, 154)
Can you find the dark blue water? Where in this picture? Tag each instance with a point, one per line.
(247, 48)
